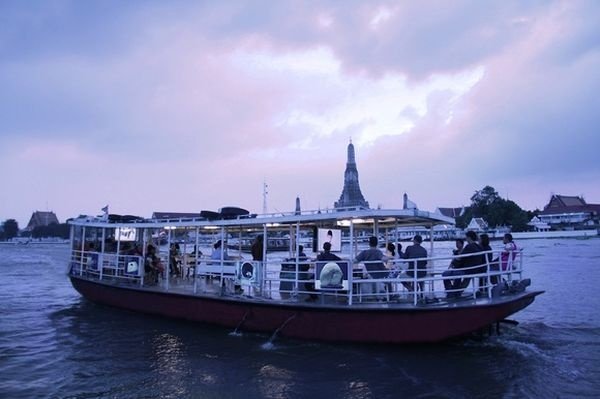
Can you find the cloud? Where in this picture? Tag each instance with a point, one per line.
(188, 106)
(528, 127)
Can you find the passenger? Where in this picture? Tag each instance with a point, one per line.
(175, 260)
(304, 269)
(399, 251)
(90, 260)
(484, 242)
(416, 251)
(152, 265)
(192, 261)
(373, 260)
(136, 250)
(257, 248)
(110, 245)
(506, 257)
(460, 245)
(398, 266)
(301, 254)
(124, 248)
(324, 256)
(217, 251)
(390, 254)
(392, 263)
(463, 266)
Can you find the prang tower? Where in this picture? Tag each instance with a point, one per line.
(351, 195)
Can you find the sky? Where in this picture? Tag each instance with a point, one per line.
(182, 106)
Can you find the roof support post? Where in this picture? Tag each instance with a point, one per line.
(168, 271)
(82, 252)
(351, 257)
(143, 263)
(263, 269)
(101, 257)
(297, 242)
(196, 262)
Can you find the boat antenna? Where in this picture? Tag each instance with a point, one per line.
(265, 192)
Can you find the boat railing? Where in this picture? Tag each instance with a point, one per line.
(496, 268)
(302, 279)
(107, 266)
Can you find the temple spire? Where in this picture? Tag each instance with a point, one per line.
(351, 158)
(351, 194)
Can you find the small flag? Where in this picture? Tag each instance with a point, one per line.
(105, 209)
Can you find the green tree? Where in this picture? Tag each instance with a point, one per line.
(11, 228)
(495, 210)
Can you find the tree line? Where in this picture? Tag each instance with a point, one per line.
(10, 230)
(496, 211)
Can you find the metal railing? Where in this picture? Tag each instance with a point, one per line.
(298, 280)
(107, 266)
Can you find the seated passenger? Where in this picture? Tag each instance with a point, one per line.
(484, 243)
(136, 250)
(192, 261)
(301, 254)
(152, 265)
(506, 257)
(373, 260)
(175, 260)
(390, 254)
(460, 245)
(257, 248)
(218, 252)
(324, 256)
(463, 266)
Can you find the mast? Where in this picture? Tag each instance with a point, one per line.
(265, 192)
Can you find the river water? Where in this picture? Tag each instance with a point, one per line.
(55, 344)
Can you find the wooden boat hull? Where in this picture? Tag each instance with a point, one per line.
(373, 323)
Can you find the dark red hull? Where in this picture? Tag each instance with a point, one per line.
(376, 324)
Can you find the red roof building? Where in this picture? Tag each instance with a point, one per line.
(40, 218)
(570, 212)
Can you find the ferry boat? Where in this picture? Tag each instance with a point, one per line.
(114, 263)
